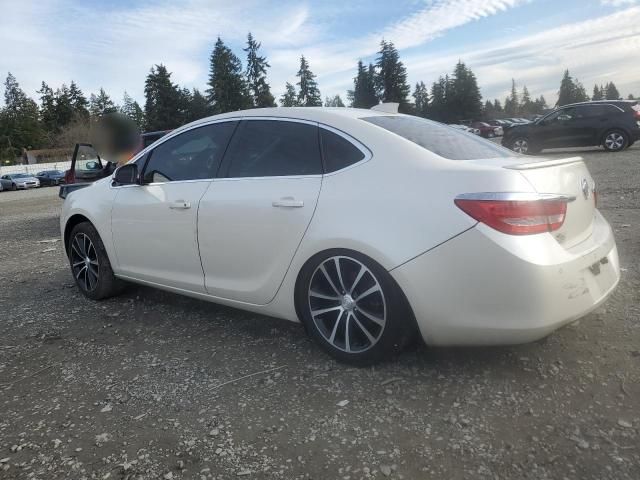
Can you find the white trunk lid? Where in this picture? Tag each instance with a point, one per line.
(569, 177)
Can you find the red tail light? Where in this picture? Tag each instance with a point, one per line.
(516, 214)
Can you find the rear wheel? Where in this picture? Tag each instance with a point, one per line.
(353, 308)
(90, 264)
(615, 140)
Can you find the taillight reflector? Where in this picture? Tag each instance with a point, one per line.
(517, 217)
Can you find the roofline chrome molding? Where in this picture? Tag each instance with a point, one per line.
(516, 196)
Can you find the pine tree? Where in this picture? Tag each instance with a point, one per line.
(308, 93)
(464, 100)
(391, 81)
(64, 106)
(611, 92)
(131, 108)
(199, 106)
(488, 111)
(421, 98)
(290, 97)
(19, 120)
(256, 75)
(597, 93)
(512, 102)
(79, 102)
(363, 94)
(630, 97)
(526, 104)
(497, 106)
(101, 104)
(335, 101)
(162, 100)
(227, 90)
(438, 105)
(47, 108)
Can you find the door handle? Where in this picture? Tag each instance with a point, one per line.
(288, 202)
(180, 205)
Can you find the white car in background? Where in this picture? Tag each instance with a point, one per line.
(371, 228)
(21, 181)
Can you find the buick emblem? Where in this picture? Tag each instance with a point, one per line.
(585, 188)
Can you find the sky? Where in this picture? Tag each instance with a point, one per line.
(113, 43)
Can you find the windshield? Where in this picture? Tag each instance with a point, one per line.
(20, 175)
(447, 142)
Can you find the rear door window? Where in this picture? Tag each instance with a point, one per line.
(268, 148)
(338, 152)
(440, 139)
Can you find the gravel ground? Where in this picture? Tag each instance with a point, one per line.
(153, 385)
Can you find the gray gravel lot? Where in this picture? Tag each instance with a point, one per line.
(141, 386)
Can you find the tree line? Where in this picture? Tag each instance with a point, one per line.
(65, 115)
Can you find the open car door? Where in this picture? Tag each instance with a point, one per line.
(86, 167)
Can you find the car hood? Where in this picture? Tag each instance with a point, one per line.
(25, 179)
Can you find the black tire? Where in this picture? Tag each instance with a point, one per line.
(523, 146)
(357, 313)
(95, 280)
(615, 140)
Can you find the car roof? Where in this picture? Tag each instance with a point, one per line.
(603, 102)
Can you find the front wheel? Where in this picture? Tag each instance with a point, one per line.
(615, 140)
(353, 308)
(90, 264)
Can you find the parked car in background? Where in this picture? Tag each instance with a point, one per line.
(247, 209)
(615, 125)
(87, 166)
(6, 184)
(486, 130)
(22, 181)
(50, 177)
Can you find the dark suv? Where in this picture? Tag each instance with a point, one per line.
(614, 124)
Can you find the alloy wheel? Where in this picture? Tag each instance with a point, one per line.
(347, 304)
(614, 141)
(521, 146)
(84, 262)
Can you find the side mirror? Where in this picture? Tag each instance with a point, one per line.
(127, 174)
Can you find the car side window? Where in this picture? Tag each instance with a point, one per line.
(337, 151)
(268, 148)
(193, 155)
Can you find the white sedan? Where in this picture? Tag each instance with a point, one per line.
(371, 228)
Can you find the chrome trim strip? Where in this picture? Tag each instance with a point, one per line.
(515, 196)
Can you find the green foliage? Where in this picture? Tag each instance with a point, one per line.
(101, 104)
(256, 76)
(334, 102)
(132, 109)
(198, 107)
(227, 90)
(308, 93)
(464, 99)
(20, 125)
(571, 91)
(162, 100)
(611, 92)
(391, 78)
(421, 99)
(597, 93)
(364, 94)
(290, 97)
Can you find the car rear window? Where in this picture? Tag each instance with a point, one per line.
(440, 139)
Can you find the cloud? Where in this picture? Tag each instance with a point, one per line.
(618, 3)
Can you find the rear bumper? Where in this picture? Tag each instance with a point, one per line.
(487, 288)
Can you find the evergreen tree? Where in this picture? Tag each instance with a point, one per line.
(308, 94)
(597, 93)
(19, 120)
(47, 108)
(162, 100)
(199, 106)
(391, 81)
(101, 104)
(79, 102)
(611, 92)
(630, 97)
(438, 106)
(571, 91)
(64, 106)
(363, 94)
(334, 102)
(132, 109)
(289, 98)
(256, 75)
(540, 105)
(488, 111)
(421, 98)
(512, 103)
(497, 106)
(227, 90)
(526, 104)
(463, 98)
